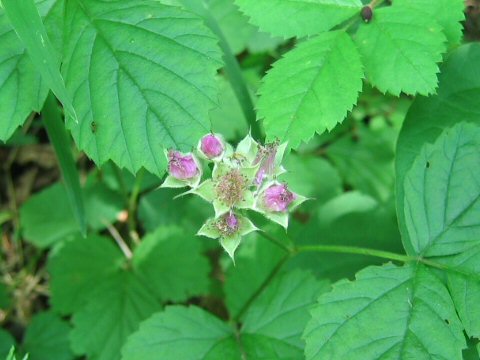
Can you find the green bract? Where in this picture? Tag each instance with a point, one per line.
(240, 180)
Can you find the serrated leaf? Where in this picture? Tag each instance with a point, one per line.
(170, 261)
(456, 101)
(77, 267)
(270, 331)
(28, 25)
(177, 333)
(442, 194)
(47, 338)
(111, 314)
(386, 313)
(108, 52)
(311, 88)
(300, 17)
(21, 86)
(448, 14)
(400, 49)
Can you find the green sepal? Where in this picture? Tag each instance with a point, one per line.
(206, 190)
(230, 244)
(220, 208)
(209, 230)
(248, 201)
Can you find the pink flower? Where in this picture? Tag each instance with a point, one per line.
(277, 198)
(211, 146)
(228, 224)
(182, 167)
(266, 159)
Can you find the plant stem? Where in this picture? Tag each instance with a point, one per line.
(132, 207)
(262, 287)
(356, 250)
(119, 240)
(276, 242)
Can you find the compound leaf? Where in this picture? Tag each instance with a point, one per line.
(290, 18)
(311, 89)
(400, 48)
(142, 75)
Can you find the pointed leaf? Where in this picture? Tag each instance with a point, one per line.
(400, 49)
(298, 18)
(109, 49)
(311, 88)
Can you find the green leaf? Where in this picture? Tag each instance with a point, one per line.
(311, 88)
(6, 343)
(47, 338)
(400, 49)
(170, 261)
(386, 313)
(179, 333)
(112, 313)
(60, 139)
(366, 161)
(5, 297)
(442, 194)
(77, 267)
(45, 228)
(109, 50)
(298, 18)
(448, 14)
(254, 262)
(21, 86)
(456, 101)
(271, 329)
(28, 25)
(463, 277)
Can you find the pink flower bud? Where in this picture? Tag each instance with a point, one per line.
(181, 166)
(211, 146)
(277, 198)
(266, 158)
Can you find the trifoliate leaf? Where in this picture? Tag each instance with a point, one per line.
(442, 194)
(311, 88)
(113, 311)
(77, 267)
(108, 52)
(298, 18)
(448, 14)
(47, 338)
(456, 101)
(388, 312)
(170, 261)
(271, 329)
(21, 86)
(400, 49)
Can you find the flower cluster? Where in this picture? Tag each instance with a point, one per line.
(243, 178)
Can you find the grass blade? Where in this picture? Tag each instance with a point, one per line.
(59, 137)
(28, 25)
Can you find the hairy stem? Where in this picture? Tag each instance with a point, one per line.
(132, 207)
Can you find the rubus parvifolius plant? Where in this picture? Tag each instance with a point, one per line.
(242, 178)
(378, 103)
